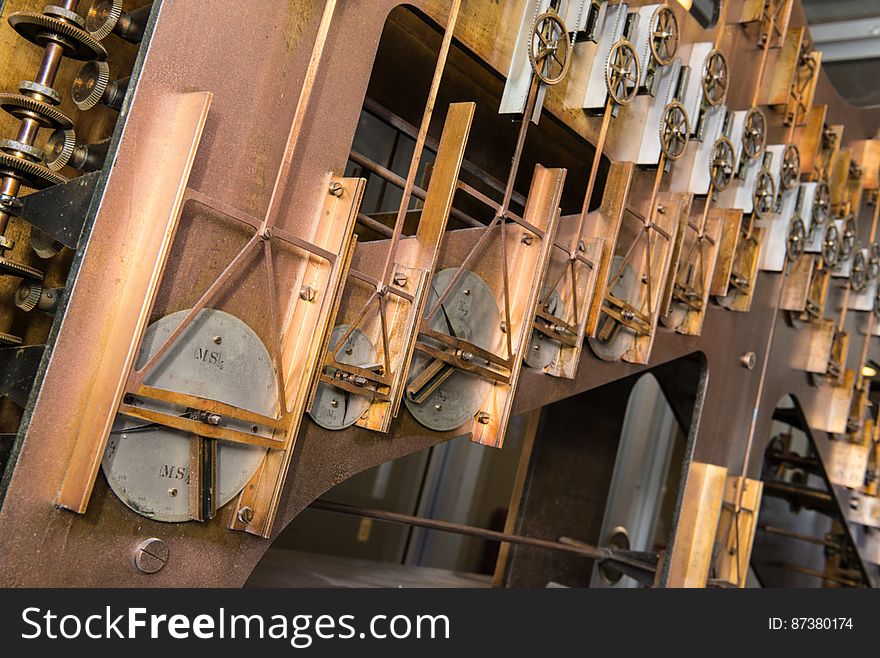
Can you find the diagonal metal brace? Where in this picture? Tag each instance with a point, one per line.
(60, 210)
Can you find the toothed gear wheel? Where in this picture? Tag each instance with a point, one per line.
(13, 268)
(25, 107)
(797, 237)
(102, 17)
(858, 275)
(59, 149)
(674, 131)
(754, 135)
(43, 244)
(89, 85)
(65, 15)
(20, 149)
(550, 48)
(664, 35)
(791, 167)
(715, 78)
(764, 196)
(30, 174)
(41, 30)
(848, 242)
(28, 296)
(722, 164)
(622, 72)
(9, 339)
(831, 246)
(874, 261)
(821, 203)
(30, 87)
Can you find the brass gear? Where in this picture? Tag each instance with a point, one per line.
(621, 68)
(715, 78)
(89, 85)
(102, 16)
(764, 196)
(848, 240)
(821, 203)
(722, 164)
(664, 35)
(791, 168)
(30, 174)
(754, 135)
(548, 34)
(25, 107)
(858, 275)
(675, 131)
(831, 246)
(797, 237)
(43, 244)
(27, 296)
(41, 29)
(13, 268)
(59, 148)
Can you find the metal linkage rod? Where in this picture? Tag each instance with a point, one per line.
(638, 565)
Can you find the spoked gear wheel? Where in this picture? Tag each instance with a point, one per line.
(622, 72)
(675, 131)
(831, 246)
(664, 35)
(754, 133)
(797, 237)
(848, 239)
(715, 78)
(791, 168)
(550, 48)
(874, 261)
(722, 164)
(821, 203)
(858, 274)
(764, 196)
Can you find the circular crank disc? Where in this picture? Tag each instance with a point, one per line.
(543, 350)
(626, 288)
(469, 313)
(216, 357)
(334, 408)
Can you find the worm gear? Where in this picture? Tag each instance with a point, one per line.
(13, 268)
(791, 168)
(831, 246)
(9, 340)
(754, 135)
(674, 131)
(797, 237)
(764, 196)
(622, 72)
(858, 275)
(722, 164)
(664, 35)
(550, 48)
(43, 29)
(102, 17)
(715, 78)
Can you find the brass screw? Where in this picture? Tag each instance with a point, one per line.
(246, 514)
(483, 417)
(307, 293)
(400, 279)
(748, 360)
(336, 189)
(217, 340)
(526, 239)
(151, 555)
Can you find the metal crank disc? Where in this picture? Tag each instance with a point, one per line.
(334, 408)
(543, 350)
(217, 357)
(620, 338)
(470, 312)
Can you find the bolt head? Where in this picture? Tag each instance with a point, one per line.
(151, 555)
(748, 360)
(483, 417)
(336, 189)
(246, 514)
